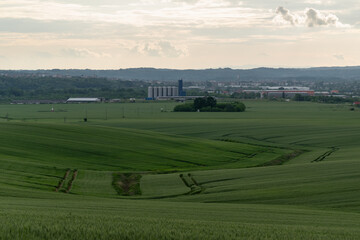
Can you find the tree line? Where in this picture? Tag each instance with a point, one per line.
(209, 104)
(323, 99)
(16, 88)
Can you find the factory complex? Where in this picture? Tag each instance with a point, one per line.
(165, 92)
(156, 92)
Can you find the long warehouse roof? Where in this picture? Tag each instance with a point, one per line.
(83, 99)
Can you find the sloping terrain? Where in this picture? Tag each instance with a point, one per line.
(201, 175)
(332, 185)
(37, 155)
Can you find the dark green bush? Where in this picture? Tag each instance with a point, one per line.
(187, 107)
(229, 108)
(240, 107)
(219, 107)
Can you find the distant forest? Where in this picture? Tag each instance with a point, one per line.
(219, 74)
(52, 88)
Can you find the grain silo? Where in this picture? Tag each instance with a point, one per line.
(156, 92)
(169, 92)
(175, 91)
(151, 92)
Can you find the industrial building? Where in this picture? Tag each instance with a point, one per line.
(156, 92)
(286, 88)
(181, 93)
(83, 100)
(38, 101)
(288, 94)
(281, 93)
(165, 92)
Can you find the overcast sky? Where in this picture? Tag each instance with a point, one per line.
(111, 34)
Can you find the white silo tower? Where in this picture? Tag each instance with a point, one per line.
(156, 92)
(169, 92)
(175, 91)
(150, 92)
(163, 92)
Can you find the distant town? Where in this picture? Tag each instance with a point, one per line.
(79, 86)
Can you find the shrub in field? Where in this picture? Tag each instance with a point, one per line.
(240, 107)
(187, 107)
(127, 184)
(200, 103)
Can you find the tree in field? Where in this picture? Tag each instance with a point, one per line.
(200, 103)
(210, 102)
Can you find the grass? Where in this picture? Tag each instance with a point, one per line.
(311, 183)
(105, 148)
(331, 185)
(74, 218)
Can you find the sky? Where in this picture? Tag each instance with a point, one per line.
(178, 34)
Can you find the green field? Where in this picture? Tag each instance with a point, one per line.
(280, 170)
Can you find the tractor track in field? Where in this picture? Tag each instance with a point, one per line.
(282, 159)
(326, 154)
(60, 187)
(61, 182)
(71, 182)
(225, 138)
(195, 187)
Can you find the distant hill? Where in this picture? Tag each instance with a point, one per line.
(221, 74)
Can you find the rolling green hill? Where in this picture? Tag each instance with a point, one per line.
(36, 155)
(277, 171)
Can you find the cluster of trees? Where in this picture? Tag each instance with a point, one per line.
(323, 99)
(209, 104)
(51, 88)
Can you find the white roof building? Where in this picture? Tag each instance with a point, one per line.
(83, 100)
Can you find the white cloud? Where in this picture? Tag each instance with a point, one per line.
(339, 57)
(320, 2)
(210, 3)
(82, 53)
(315, 18)
(139, 13)
(310, 18)
(287, 16)
(161, 49)
(176, 33)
